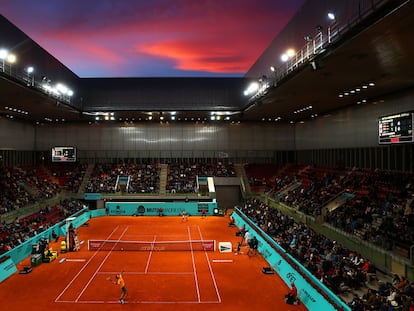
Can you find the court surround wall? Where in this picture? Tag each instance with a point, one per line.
(348, 135)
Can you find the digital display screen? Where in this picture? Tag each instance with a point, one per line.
(63, 154)
(397, 128)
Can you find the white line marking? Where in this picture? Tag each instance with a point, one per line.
(194, 272)
(194, 266)
(80, 271)
(211, 270)
(141, 273)
(222, 260)
(97, 269)
(137, 302)
(150, 255)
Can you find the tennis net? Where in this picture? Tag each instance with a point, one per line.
(116, 245)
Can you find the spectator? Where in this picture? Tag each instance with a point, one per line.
(292, 296)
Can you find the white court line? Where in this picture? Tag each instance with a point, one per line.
(177, 302)
(194, 266)
(222, 260)
(154, 273)
(97, 269)
(211, 269)
(138, 302)
(194, 272)
(150, 255)
(80, 271)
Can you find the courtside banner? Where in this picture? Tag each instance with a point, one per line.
(7, 268)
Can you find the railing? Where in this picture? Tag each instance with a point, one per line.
(318, 45)
(23, 76)
(322, 40)
(331, 200)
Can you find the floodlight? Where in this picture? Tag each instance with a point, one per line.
(331, 16)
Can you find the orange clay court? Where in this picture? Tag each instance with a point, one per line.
(156, 280)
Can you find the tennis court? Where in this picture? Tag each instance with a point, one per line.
(161, 268)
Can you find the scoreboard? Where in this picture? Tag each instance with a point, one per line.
(396, 128)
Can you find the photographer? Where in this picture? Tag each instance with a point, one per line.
(253, 244)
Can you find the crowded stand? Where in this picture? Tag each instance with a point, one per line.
(23, 186)
(22, 229)
(262, 177)
(103, 178)
(32, 183)
(317, 188)
(378, 207)
(181, 177)
(340, 269)
(381, 212)
(38, 182)
(69, 176)
(13, 196)
(333, 264)
(143, 178)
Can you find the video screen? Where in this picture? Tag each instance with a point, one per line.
(64, 154)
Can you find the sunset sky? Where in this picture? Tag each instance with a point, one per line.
(153, 38)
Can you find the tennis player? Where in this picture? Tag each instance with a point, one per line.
(185, 215)
(124, 292)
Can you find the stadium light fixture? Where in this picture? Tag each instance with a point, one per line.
(3, 53)
(290, 53)
(287, 55)
(11, 58)
(252, 88)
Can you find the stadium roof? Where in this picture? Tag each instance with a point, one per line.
(359, 62)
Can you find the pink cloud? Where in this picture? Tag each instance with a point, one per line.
(191, 57)
(213, 36)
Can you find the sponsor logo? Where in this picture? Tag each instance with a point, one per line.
(152, 248)
(208, 245)
(291, 277)
(95, 244)
(309, 296)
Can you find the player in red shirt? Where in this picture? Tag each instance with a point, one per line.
(292, 296)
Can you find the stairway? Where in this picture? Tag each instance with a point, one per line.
(86, 177)
(163, 178)
(244, 180)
